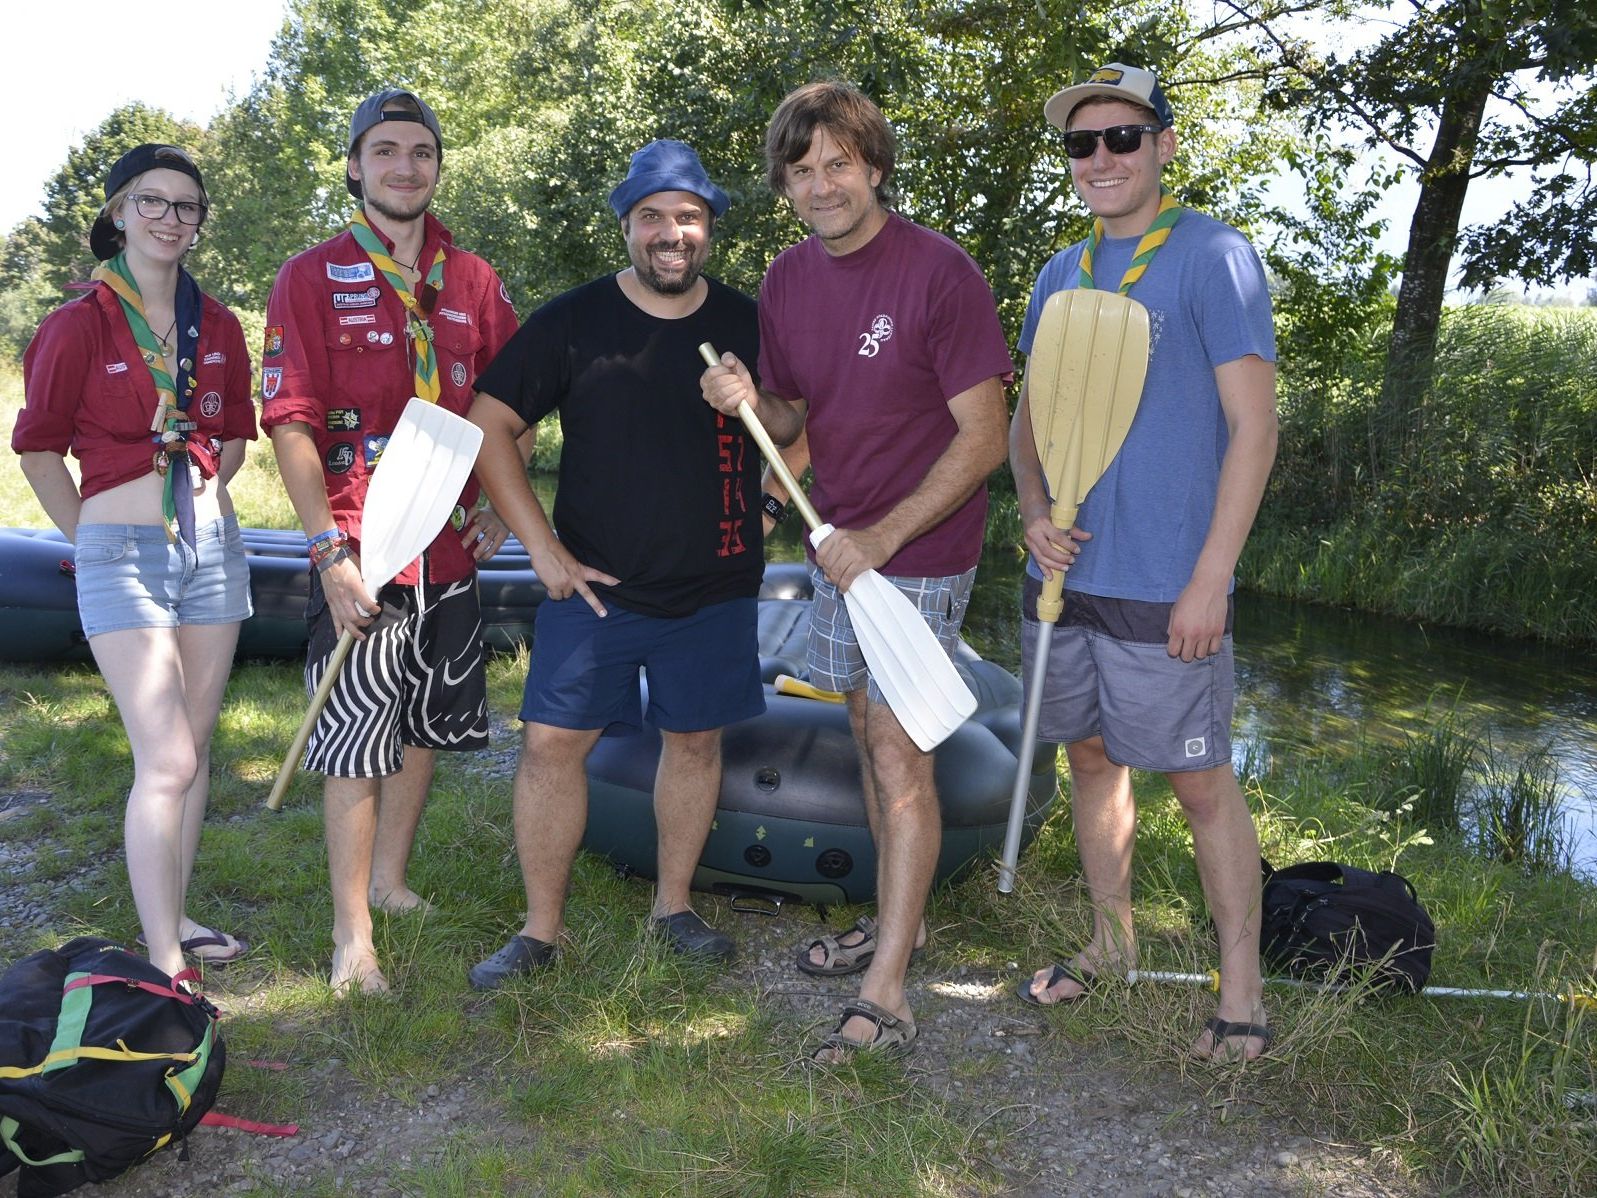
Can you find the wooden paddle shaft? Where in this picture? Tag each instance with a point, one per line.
(274, 801)
(768, 447)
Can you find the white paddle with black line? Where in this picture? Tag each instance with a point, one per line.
(911, 669)
(415, 486)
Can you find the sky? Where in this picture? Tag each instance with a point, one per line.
(66, 87)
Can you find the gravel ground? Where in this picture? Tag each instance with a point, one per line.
(1077, 1122)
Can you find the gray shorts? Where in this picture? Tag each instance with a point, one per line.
(1109, 676)
(835, 661)
(132, 576)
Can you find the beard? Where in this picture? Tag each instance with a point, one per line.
(395, 211)
(678, 284)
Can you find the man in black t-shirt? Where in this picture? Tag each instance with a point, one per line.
(655, 554)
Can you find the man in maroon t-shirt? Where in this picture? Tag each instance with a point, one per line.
(879, 339)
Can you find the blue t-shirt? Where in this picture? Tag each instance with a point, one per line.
(1208, 304)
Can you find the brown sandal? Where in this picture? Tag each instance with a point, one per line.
(894, 1037)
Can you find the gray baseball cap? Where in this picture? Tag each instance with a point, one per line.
(371, 113)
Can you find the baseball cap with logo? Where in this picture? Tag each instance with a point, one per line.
(371, 113)
(1118, 82)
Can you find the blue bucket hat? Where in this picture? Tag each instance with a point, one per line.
(666, 166)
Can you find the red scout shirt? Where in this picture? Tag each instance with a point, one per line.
(337, 357)
(89, 391)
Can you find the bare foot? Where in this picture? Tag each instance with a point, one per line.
(401, 900)
(357, 969)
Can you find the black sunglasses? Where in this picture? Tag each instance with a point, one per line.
(1120, 139)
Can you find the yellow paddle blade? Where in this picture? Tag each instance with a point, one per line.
(1084, 379)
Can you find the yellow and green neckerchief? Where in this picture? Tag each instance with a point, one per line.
(170, 426)
(1158, 233)
(421, 333)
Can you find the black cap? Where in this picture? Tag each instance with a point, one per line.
(371, 113)
(104, 238)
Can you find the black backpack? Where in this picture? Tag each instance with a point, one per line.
(1328, 922)
(103, 1060)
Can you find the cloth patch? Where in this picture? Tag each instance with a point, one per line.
(341, 457)
(457, 374)
(374, 449)
(356, 299)
(271, 380)
(215, 358)
(274, 340)
(116, 367)
(451, 315)
(343, 420)
(359, 272)
(210, 404)
(358, 318)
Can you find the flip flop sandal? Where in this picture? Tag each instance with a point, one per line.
(199, 947)
(1223, 1031)
(894, 1037)
(838, 958)
(1056, 974)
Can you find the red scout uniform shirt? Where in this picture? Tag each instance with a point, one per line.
(338, 358)
(89, 391)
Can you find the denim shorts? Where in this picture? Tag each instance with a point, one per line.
(835, 660)
(703, 670)
(131, 576)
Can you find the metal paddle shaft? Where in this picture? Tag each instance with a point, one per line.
(1211, 981)
(910, 667)
(415, 486)
(1084, 379)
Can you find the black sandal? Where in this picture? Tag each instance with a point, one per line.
(1058, 973)
(1224, 1030)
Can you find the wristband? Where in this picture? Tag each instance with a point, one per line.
(323, 565)
(773, 507)
(330, 535)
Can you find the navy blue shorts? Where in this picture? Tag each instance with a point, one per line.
(703, 670)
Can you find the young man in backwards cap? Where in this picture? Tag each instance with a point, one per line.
(1140, 668)
(879, 339)
(654, 558)
(387, 309)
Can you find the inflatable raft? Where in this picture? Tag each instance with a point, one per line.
(39, 604)
(790, 821)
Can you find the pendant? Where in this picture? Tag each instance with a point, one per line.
(162, 463)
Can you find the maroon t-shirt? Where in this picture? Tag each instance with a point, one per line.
(877, 342)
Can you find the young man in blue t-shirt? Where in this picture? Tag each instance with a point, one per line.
(1140, 672)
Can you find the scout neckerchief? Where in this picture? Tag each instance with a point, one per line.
(1158, 233)
(170, 426)
(421, 333)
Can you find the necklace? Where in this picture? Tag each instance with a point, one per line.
(163, 341)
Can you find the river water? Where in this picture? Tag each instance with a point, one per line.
(1314, 678)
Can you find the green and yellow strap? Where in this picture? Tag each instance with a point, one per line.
(1158, 233)
(421, 333)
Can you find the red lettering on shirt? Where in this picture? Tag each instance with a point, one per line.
(731, 539)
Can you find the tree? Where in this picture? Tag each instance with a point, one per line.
(1493, 85)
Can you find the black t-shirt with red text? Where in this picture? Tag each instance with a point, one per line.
(656, 487)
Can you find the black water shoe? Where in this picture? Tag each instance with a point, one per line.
(521, 954)
(690, 936)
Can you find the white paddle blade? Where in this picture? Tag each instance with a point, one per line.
(415, 486)
(912, 670)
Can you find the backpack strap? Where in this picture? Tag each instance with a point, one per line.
(8, 1136)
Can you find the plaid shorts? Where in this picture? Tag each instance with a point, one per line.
(835, 662)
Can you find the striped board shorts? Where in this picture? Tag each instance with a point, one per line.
(417, 679)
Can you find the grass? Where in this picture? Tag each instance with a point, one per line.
(623, 1071)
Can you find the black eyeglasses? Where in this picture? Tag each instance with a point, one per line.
(188, 212)
(1120, 139)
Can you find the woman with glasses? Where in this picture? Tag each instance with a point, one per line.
(146, 381)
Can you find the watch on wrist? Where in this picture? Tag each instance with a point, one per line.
(773, 507)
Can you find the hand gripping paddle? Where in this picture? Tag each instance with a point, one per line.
(415, 486)
(1083, 383)
(911, 669)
